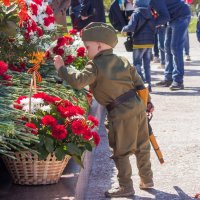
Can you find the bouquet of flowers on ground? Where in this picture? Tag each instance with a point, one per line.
(70, 47)
(62, 127)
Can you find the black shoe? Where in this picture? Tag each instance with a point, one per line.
(178, 86)
(164, 83)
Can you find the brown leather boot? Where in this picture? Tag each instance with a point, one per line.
(120, 192)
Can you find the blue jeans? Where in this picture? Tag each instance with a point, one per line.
(187, 44)
(174, 41)
(161, 41)
(144, 55)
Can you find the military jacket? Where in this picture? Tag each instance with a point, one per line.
(108, 76)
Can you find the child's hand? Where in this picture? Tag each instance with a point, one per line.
(150, 107)
(58, 62)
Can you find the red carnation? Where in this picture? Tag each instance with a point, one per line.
(39, 2)
(32, 126)
(61, 41)
(34, 9)
(48, 120)
(18, 102)
(47, 54)
(69, 59)
(77, 127)
(6, 77)
(59, 132)
(49, 10)
(81, 51)
(47, 21)
(73, 111)
(39, 32)
(73, 31)
(87, 134)
(96, 138)
(69, 39)
(58, 51)
(93, 120)
(3, 67)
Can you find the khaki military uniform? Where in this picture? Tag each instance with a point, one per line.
(110, 76)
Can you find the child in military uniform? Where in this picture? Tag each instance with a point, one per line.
(115, 85)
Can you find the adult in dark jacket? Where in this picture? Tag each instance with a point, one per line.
(91, 11)
(177, 16)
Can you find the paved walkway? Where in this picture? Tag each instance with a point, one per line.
(176, 124)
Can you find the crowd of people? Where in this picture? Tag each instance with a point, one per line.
(118, 85)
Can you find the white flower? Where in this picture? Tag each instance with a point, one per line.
(46, 108)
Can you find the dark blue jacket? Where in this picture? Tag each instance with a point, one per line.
(169, 10)
(198, 28)
(94, 9)
(142, 25)
(116, 16)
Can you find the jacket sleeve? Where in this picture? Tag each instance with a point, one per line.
(161, 8)
(85, 7)
(77, 79)
(131, 26)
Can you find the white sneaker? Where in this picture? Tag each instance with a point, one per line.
(187, 58)
(156, 60)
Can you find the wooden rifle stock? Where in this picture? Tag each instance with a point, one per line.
(154, 143)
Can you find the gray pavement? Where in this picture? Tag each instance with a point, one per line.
(176, 125)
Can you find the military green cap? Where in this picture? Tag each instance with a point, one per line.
(100, 32)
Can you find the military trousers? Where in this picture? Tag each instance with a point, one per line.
(130, 136)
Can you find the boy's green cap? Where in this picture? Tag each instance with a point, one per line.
(100, 32)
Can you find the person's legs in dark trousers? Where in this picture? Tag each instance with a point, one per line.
(147, 67)
(156, 50)
(187, 47)
(179, 27)
(174, 65)
(137, 61)
(161, 40)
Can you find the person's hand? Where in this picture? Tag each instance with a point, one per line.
(84, 17)
(58, 62)
(123, 33)
(150, 108)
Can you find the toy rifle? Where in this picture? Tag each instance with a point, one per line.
(154, 142)
(143, 94)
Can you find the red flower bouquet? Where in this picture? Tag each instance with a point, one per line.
(61, 127)
(70, 47)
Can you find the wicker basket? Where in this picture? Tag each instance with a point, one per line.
(28, 170)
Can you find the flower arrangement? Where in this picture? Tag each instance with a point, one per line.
(62, 127)
(70, 47)
(37, 18)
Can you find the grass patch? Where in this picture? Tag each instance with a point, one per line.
(192, 26)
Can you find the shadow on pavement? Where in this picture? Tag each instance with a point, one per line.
(188, 91)
(160, 195)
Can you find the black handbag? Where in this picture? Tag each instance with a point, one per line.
(129, 44)
(129, 41)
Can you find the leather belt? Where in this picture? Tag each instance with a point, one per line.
(119, 100)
